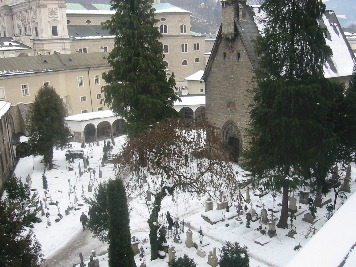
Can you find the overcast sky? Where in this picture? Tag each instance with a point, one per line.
(344, 9)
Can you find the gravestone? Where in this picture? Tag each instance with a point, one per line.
(134, 245)
(209, 205)
(171, 254)
(222, 205)
(264, 216)
(201, 253)
(90, 188)
(189, 241)
(248, 197)
(148, 195)
(308, 218)
(292, 203)
(304, 197)
(346, 184)
(272, 229)
(212, 258)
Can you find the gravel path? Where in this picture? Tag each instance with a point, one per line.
(68, 256)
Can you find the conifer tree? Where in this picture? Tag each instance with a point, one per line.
(120, 251)
(293, 118)
(137, 87)
(47, 127)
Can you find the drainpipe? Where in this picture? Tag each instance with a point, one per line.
(91, 99)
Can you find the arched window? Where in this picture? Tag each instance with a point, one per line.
(163, 28)
(184, 62)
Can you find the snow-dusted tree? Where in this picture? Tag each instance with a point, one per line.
(175, 156)
(137, 87)
(46, 126)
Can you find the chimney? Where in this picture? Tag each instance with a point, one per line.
(232, 10)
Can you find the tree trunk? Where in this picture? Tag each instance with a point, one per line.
(153, 220)
(48, 158)
(283, 220)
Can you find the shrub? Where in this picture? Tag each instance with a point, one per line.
(182, 262)
(233, 255)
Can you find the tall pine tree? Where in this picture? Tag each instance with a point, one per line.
(47, 127)
(120, 251)
(137, 89)
(292, 121)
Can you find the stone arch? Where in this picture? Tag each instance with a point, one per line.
(89, 133)
(118, 127)
(232, 141)
(200, 113)
(187, 113)
(104, 130)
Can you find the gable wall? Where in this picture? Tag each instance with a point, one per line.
(230, 79)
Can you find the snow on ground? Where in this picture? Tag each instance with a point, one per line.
(66, 186)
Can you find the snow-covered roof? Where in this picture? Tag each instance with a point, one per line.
(191, 101)
(168, 8)
(196, 76)
(91, 116)
(4, 107)
(342, 62)
(9, 44)
(332, 243)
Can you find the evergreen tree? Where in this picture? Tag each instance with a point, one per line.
(233, 255)
(120, 251)
(47, 127)
(137, 87)
(293, 118)
(98, 222)
(18, 247)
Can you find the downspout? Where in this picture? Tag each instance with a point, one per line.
(91, 99)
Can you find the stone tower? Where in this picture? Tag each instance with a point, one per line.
(229, 76)
(41, 24)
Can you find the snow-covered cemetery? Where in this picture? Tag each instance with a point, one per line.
(180, 133)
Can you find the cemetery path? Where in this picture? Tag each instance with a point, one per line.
(82, 242)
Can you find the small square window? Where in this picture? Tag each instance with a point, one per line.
(83, 98)
(85, 111)
(197, 60)
(98, 96)
(24, 90)
(96, 79)
(80, 81)
(100, 109)
(46, 83)
(201, 90)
